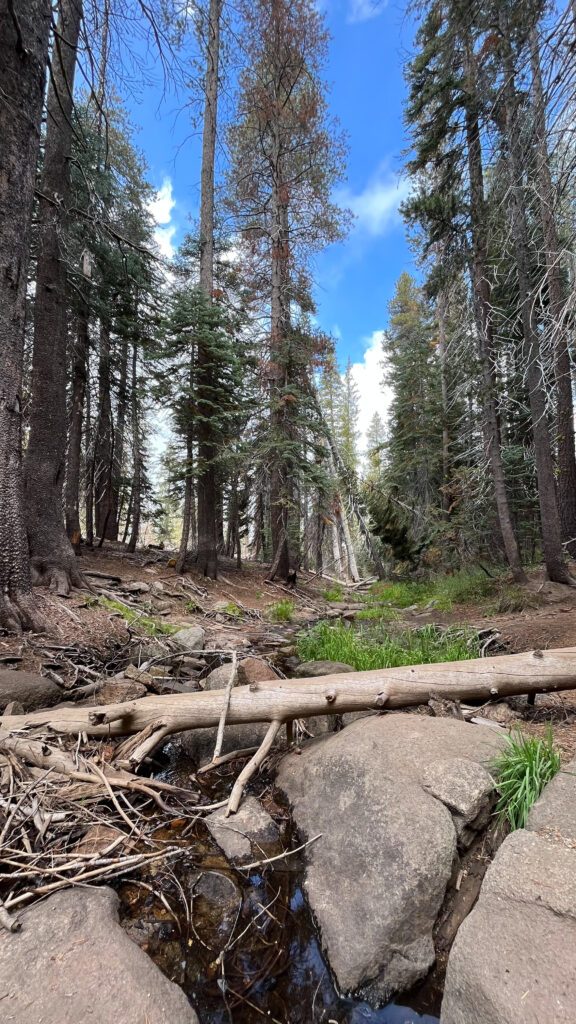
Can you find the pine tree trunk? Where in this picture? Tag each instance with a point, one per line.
(280, 481)
(188, 505)
(207, 450)
(53, 557)
(350, 553)
(89, 468)
(549, 517)
(136, 454)
(79, 379)
(118, 456)
(104, 441)
(24, 32)
(566, 475)
(481, 289)
(441, 314)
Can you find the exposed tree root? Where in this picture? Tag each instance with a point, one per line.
(60, 577)
(20, 611)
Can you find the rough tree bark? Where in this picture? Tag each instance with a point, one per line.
(549, 517)
(481, 291)
(566, 460)
(24, 33)
(207, 450)
(52, 555)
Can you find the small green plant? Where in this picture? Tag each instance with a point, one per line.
(191, 606)
(326, 642)
(135, 618)
(334, 593)
(232, 609)
(522, 770)
(281, 611)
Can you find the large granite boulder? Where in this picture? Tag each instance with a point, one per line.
(514, 957)
(72, 963)
(31, 690)
(389, 796)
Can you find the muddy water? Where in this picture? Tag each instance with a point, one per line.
(243, 946)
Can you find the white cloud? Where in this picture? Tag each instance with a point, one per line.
(376, 207)
(161, 210)
(164, 238)
(363, 10)
(374, 396)
(161, 207)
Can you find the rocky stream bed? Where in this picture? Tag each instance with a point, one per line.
(335, 893)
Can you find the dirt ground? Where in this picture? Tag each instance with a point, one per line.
(80, 624)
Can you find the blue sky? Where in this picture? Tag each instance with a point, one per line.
(354, 279)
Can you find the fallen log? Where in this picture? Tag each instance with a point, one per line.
(284, 700)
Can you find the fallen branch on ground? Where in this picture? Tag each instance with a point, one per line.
(280, 701)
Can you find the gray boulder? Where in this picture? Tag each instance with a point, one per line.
(376, 879)
(218, 678)
(31, 690)
(73, 963)
(190, 638)
(246, 834)
(514, 957)
(556, 808)
(310, 669)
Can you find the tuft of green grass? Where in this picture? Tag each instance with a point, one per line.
(522, 770)
(191, 606)
(281, 611)
(378, 613)
(233, 609)
(326, 642)
(134, 618)
(334, 593)
(469, 586)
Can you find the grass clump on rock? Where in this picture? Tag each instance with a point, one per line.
(524, 767)
(325, 642)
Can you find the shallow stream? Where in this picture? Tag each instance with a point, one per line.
(244, 946)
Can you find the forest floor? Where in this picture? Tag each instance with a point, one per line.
(238, 611)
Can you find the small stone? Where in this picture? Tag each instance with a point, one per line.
(253, 670)
(191, 638)
(137, 587)
(244, 833)
(218, 678)
(310, 669)
(131, 672)
(116, 691)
